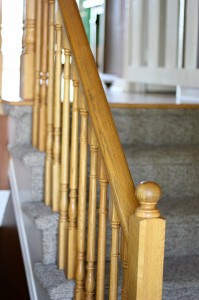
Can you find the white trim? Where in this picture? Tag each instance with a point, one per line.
(22, 233)
(164, 76)
(191, 34)
(4, 196)
(91, 3)
(187, 95)
(153, 33)
(171, 34)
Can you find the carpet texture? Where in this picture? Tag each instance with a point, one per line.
(160, 145)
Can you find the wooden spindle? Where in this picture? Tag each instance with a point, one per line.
(101, 256)
(124, 259)
(91, 248)
(43, 89)
(63, 237)
(72, 212)
(115, 225)
(81, 228)
(28, 52)
(50, 93)
(146, 245)
(57, 123)
(35, 126)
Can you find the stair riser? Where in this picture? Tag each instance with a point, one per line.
(157, 126)
(37, 184)
(46, 224)
(181, 237)
(43, 243)
(22, 129)
(175, 180)
(181, 294)
(49, 242)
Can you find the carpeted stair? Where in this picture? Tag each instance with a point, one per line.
(163, 145)
(160, 145)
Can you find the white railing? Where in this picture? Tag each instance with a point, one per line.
(162, 45)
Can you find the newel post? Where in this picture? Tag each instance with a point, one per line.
(28, 52)
(146, 245)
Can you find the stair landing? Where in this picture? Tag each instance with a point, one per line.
(143, 100)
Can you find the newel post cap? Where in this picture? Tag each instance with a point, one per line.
(148, 194)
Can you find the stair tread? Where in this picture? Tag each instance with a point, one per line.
(184, 269)
(16, 111)
(157, 126)
(182, 226)
(167, 154)
(41, 215)
(180, 207)
(54, 281)
(181, 278)
(30, 156)
(47, 222)
(184, 281)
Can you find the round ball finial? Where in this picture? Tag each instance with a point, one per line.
(148, 193)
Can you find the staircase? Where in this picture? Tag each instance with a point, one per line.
(160, 144)
(78, 212)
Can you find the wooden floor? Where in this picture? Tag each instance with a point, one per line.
(147, 100)
(13, 284)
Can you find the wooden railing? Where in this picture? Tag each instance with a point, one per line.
(64, 129)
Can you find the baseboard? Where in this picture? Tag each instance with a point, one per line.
(4, 196)
(22, 233)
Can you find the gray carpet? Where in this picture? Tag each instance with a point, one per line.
(34, 160)
(160, 145)
(54, 281)
(181, 278)
(47, 223)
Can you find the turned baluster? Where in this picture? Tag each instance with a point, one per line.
(81, 228)
(63, 237)
(35, 126)
(115, 225)
(43, 88)
(73, 185)
(91, 247)
(101, 256)
(50, 93)
(146, 245)
(28, 53)
(57, 123)
(124, 259)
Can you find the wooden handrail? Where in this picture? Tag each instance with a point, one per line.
(116, 165)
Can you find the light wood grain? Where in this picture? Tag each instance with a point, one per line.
(91, 242)
(146, 246)
(18, 103)
(115, 226)
(81, 228)
(50, 93)
(35, 126)
(101, 254)
(152, 105)
(57, 123)
(63, 219)
(43, 78)
(106, 133)
(72, 226)
(28, 52)
(124, 259)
